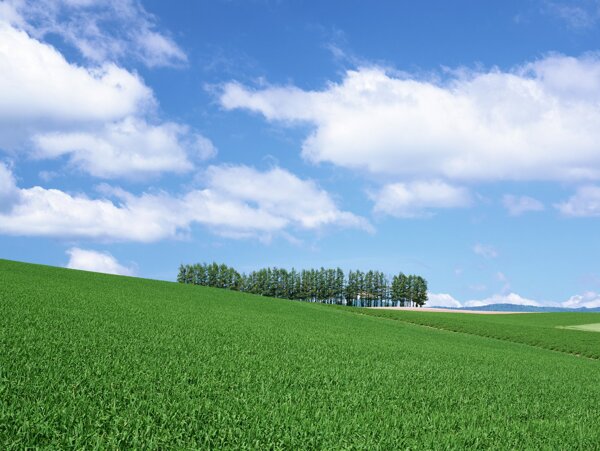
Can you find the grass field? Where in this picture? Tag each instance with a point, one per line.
(90, 360)
(566, 332)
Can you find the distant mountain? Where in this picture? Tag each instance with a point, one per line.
(526, 308)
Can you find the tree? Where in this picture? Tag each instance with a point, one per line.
(339, 285)
(397, 292)
(326, 285)
(181, 275)
(420, 291)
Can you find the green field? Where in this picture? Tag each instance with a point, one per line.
(566, 332)
(90, 360)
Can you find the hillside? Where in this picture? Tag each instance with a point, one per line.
(92, 360)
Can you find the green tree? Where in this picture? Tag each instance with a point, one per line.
(420, 291)
(181, 275)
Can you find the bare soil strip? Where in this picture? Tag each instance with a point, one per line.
(449, 310)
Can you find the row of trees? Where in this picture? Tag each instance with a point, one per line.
(330, 286)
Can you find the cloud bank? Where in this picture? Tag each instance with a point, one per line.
(470, 125)
(238, 201)
(589, 299)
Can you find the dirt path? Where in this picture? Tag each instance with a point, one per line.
(429, 309)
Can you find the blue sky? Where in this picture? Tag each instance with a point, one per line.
(459, 141)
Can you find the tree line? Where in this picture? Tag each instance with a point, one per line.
(329, 286)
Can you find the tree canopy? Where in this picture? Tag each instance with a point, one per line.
(324, 285)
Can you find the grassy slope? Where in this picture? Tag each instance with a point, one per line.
(544, 330)
(97, 360)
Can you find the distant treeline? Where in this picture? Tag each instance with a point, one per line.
(329, 286)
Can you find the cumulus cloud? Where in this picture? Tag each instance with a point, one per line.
(277, 190)
(517, 205)
(473, 125)
(128, 147)
(442, 300)
(38, 83)
(278, 200)
(101, 30)
(589, 299)
(485, 250)
(94, 115)
(584, 203)
(416, 199)
(89, 260)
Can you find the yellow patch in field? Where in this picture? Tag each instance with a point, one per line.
(595, 327)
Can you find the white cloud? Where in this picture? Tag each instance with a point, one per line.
(417, 198)
(126, 148)
(38, 84)
(584, 203)
(9, 13)
(89, 260)
(281, 192)
(517, 205)
(8, 188)
(538, 121)
(577, 16)
(238, 202)
(442, 300)
(50, 212)
(101, 30)
(589, 299)
(203, 148)
(511, 298)
(95, 115)
(446, 300)
(485, 251)
(157, 49)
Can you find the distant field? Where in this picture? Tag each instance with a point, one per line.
(566, 332)
(90, 360)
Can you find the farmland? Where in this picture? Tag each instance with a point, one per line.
(91, 360)
(565, 332)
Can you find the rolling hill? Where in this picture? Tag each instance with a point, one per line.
(92, 360)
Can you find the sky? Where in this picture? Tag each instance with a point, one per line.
(455, 140)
